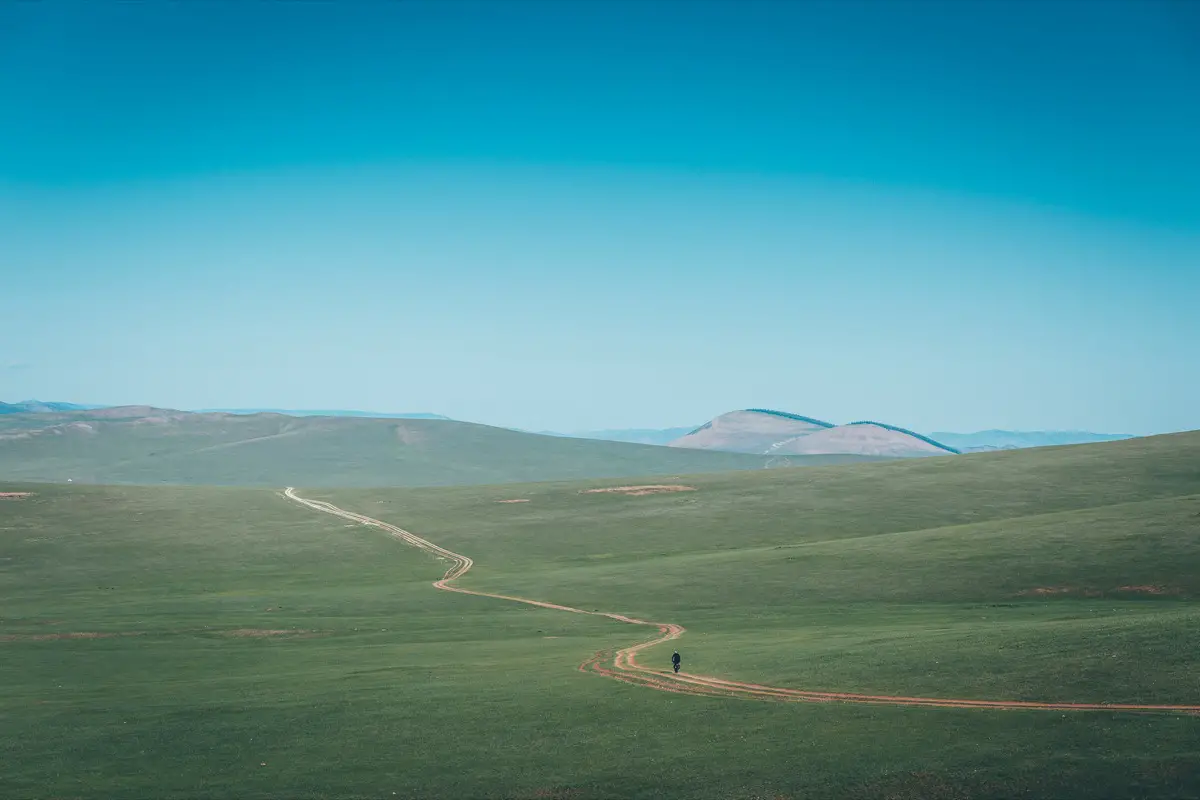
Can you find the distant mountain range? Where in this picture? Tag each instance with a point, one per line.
(779, 433)
(1015, 440)
(760, 431)
(750, 431)
(38, 407)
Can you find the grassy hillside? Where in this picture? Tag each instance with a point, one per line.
(152, 446)
(1000, 576)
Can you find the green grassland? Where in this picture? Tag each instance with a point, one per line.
(272, 450)
(915, 577)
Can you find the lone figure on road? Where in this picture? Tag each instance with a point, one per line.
(675, 660)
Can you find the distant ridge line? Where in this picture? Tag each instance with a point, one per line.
(898, 429)
(788, 415)
(784, 414)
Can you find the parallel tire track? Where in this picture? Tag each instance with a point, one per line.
(622, 665)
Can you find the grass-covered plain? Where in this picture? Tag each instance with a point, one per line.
(995, 576)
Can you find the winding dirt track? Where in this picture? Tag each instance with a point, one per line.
(622, 664)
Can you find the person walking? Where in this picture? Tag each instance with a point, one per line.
(675, 660)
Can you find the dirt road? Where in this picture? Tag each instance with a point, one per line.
(621, 664)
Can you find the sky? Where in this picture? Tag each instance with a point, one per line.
(582, 215)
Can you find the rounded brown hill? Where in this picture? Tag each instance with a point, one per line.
(752, 430)
(863, 438)
(638, 491)
(766, 432)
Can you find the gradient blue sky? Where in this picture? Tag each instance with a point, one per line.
(573, 215)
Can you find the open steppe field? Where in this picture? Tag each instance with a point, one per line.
(201, 642)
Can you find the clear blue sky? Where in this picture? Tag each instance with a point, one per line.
(574, 215)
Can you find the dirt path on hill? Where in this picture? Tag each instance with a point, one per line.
(621, 664)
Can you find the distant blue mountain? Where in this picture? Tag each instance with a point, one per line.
(964, 442)
(38, 407)
(1015, 440)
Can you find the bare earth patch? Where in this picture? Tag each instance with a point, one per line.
(516, 500)
(409, 436)
(1047, 591)
(1156, 590)
(635, 491)
(14, 495)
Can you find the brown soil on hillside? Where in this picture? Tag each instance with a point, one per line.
(1155, 590)
(1079, 591)
(634, 491)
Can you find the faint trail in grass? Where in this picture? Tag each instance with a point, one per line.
(621, 664)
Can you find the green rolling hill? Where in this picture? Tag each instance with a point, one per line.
(151, 446)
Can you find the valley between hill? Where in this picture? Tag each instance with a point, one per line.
(199, 641)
